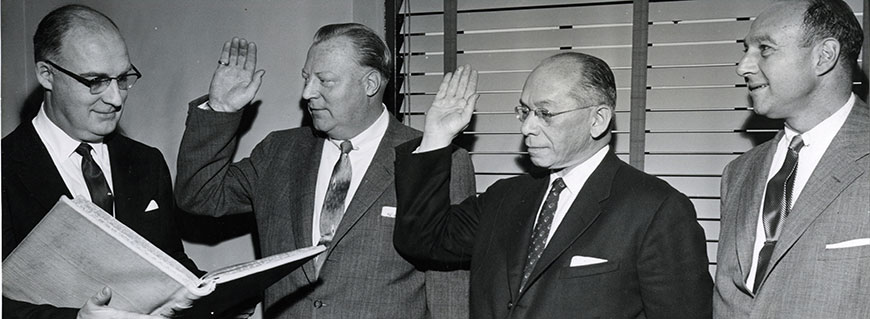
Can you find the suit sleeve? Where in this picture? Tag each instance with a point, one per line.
(430, 232)
(672, 265)
(447, 292)
(208, 183)
(172, 245)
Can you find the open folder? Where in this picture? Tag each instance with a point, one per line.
(78, 249)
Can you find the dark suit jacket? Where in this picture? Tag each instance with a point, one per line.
(805, 279)
(655, 250)
(32, 185)
(363, 276)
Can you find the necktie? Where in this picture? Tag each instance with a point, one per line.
(542, 230)
(777, 206)
(333, 202)
(95, 180)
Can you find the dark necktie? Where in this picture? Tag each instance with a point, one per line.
(333, 202)
(777, 206)
(542, 230)
(94, 178)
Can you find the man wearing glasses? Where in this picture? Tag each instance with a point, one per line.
(71, 148)
(590, 238)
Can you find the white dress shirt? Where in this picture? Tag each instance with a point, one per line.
(62, 149)
(364, 146)
(574, 178)
(816, 142)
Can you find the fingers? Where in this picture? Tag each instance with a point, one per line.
(454, 82)
(243, 53)
(101, 298)
(471, 88)
(234, 51)
(442, 89)
(251, 57)
(225, 54)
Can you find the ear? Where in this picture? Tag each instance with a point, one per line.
(373, 82)
(601, 117)
(44, 75)
(826, 53)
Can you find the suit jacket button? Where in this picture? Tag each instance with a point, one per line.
(318, 304)
(510, 305)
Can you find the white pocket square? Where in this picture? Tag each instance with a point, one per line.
(849, 243)
(151, 206)
(388, 212)
(578, 261)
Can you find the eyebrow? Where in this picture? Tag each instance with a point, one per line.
(758, 38)
(104, 75)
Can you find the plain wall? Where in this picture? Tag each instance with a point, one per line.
(176, 45)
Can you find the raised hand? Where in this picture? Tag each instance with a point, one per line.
(98, 307)
(235, 83)
(452, 108)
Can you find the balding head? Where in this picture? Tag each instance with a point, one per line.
(591, 77)
(58, 24)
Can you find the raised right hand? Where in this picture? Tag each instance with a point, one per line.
(451, 110)
(235, 83)
(97, 307)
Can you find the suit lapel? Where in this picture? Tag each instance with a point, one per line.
(125, 177)
(37, 171)
(748, 208)
(583, 212)
(518, 231)
(376, 181)
(298, 186)
(836, 170)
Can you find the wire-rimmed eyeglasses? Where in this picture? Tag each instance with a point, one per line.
(523, 112)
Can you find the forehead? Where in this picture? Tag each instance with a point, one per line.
(782, 22)
(333, 55)
(94, 51)
(547, 88)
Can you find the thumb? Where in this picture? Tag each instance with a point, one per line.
(254, 86)
(102, 298)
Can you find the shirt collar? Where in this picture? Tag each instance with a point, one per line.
(59, 144)
(369, 137)
(576, 176)
(823, 133)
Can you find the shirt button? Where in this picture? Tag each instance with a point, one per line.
(510, 305)
(318, 304)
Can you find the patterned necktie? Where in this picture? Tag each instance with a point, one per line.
(95, 180)
(542, 230)
(333, 202)
(777, 206)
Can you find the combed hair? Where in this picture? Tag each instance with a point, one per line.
(833, 19)
(54, 27)
(594, 77)
(371, 50)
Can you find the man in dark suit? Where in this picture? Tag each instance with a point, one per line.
(82, 64)
(795, 237)
(604, 241)
(331, 184)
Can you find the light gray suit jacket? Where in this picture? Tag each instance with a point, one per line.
(805, 279)
(363, 276)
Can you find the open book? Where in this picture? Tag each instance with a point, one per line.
(78, 249)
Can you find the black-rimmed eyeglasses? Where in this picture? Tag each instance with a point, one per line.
(101, 83)
(523, 112)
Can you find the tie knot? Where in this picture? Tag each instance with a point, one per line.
(346, 147)
(558, 185)
(797, 143)
(84, 150)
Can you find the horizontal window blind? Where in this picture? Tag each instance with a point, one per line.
(698, 115)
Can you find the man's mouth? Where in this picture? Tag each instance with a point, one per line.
(753, 87)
